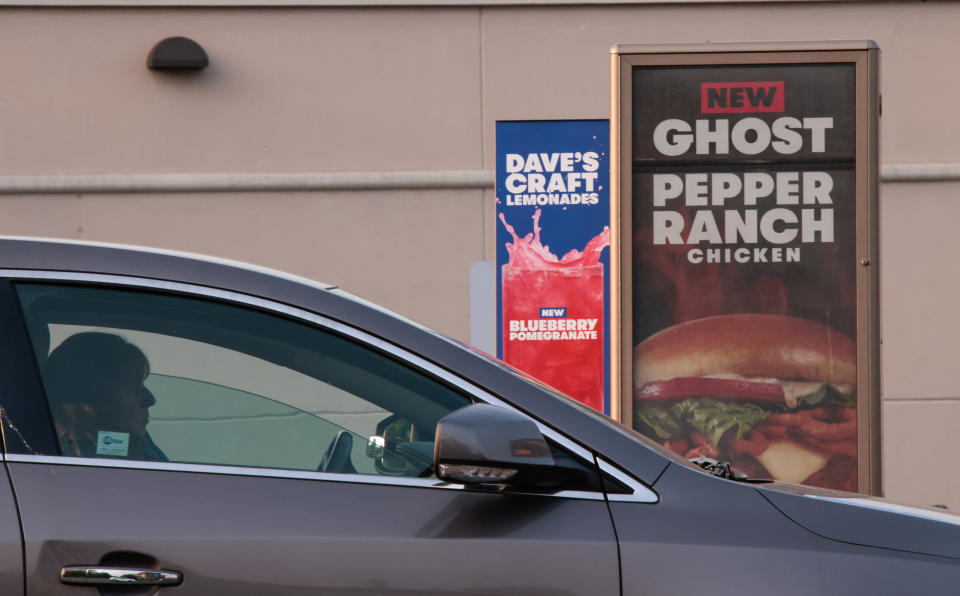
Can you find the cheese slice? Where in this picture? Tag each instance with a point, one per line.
(790, 462)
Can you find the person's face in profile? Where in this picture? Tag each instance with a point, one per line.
(126, 402)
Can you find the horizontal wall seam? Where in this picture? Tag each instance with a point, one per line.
(917, 400)
(920, 172)
(384, 3)
(333, 181)
(246, 182)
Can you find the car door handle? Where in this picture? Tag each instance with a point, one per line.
(119, 576)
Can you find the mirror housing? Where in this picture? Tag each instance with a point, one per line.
(491, 447)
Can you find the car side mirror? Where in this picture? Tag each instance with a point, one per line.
(491, 447)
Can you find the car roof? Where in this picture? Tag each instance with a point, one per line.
(121, 259)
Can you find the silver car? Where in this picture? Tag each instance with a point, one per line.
(174, 424)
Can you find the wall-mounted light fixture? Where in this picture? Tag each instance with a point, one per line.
(177, 53)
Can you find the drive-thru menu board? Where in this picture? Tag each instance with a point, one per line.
(745, 232)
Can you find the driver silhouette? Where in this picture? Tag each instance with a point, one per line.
(95, 385)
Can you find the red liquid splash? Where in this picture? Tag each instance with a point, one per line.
(529, 253)
(564, 348)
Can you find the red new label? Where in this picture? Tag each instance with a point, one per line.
(731, 98)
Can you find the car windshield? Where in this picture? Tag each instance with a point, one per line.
(598, 416)
(476, 352)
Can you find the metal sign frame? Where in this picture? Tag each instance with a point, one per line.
(864, 56)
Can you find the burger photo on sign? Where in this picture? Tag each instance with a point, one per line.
(773, 395)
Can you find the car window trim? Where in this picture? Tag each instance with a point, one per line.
(641, 493)
(21, 418)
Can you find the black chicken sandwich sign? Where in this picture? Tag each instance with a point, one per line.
(745, 236)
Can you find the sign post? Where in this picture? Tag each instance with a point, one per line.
(745, 255)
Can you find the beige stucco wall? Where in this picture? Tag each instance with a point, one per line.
(287, 91)
(408, 251)
(920, 294)
(420, 89)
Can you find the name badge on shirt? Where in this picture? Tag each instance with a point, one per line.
(111, 443)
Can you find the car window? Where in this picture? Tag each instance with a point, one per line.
(160, 377)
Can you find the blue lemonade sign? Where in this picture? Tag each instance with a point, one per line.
(553, 214)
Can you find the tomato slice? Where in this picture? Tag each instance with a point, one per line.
(683, 387)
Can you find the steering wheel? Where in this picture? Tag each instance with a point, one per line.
(337, 456)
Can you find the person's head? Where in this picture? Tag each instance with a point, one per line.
(102, 375)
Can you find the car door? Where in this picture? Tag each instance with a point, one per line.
(246, 447)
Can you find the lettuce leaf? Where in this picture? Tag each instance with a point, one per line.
(660, 419)
(826, 395)
(714, 418)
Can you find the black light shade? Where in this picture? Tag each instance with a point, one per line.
(177, 53)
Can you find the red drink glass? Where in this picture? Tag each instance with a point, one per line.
(553, 327)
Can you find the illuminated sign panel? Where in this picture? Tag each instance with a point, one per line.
(744, 225)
